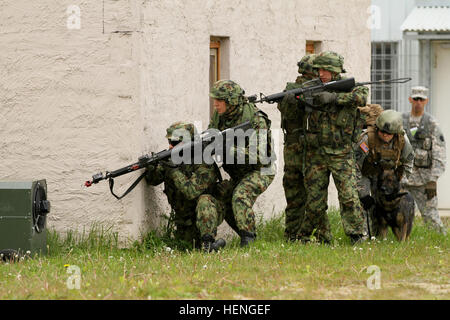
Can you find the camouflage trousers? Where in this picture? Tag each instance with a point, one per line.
(244, 195)
(294, 189)
(210, 214)
(428, 208)
(318, 168)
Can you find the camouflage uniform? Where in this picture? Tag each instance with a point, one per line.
(189, 189)
(372, 155)
(292, 126)
(429, 164)
(248, 181)
(329, 136)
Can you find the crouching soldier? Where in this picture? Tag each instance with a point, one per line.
(381, 147)
(249, 172)
(189, 189)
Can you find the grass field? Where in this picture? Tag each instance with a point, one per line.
(270, 269)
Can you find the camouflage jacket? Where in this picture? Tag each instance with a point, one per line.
(429, 148)
(256, 157)
(366, 178)
(182, 186)
(331, 130)
(291, 113)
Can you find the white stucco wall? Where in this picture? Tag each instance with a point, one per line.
(74, 102)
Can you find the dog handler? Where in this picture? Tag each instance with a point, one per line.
(380, 147)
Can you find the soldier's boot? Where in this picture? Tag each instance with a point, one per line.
(209, 244)
(290, 237)
(358, 238)
(246, 237)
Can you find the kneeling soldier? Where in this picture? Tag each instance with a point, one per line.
(189, 189)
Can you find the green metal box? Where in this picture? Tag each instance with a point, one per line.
(23, 211)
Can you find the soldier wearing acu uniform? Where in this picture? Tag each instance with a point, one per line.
(380, 147)
(430, 157)
(292, 126)
(190, 190)
(248, 180)
(330, 133)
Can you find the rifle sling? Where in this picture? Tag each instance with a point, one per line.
(135, 183)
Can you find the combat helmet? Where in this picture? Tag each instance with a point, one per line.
(331, 61)
(390, 121)
(179, 130)
(229, 91)
(305, 65)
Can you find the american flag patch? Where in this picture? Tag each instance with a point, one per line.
(364, 147)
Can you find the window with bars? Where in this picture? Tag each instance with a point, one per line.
(384, 66)
(214, 69)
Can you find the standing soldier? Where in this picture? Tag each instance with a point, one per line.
(292, 126)
(248, 180)
(189, 189)
(380, 147)
(330, 133)
(430, 157)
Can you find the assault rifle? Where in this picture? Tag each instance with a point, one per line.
(345, 85)
(200, 142)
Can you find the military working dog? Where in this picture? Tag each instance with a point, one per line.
(392, 207)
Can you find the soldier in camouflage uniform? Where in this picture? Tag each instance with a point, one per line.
(292, 126)
(430, 157)
(248, 180)
(380, 147)
(190, 190)
(330, 132)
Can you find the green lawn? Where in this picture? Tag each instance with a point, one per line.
(270, 269)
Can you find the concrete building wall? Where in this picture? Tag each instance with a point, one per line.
(77, 101)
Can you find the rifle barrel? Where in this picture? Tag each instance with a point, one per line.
(387, 81)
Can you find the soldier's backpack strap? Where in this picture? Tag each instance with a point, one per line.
(425, 123)
(214, 123)
(371, 133)
(265, 116)
(406, 125)
(399, 147)
(217, 169)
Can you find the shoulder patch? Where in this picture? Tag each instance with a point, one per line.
(364, 147)
(442, 138)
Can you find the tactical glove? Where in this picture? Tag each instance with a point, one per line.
(367, 202)
(325, 97)
(151, 168)
(170, 169)
(430, 189)
(168, 164)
